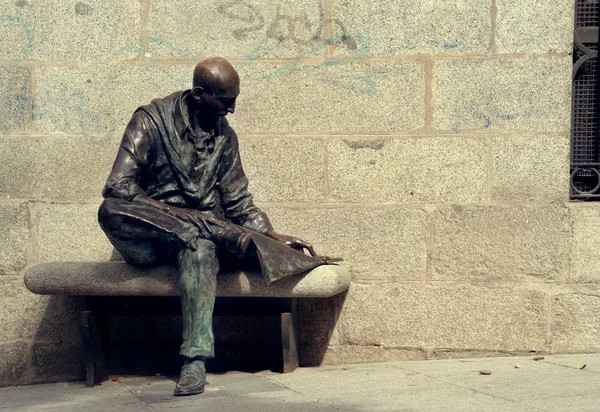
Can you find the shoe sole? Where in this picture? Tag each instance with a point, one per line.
(188, 392)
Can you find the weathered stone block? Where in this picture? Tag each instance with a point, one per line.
(71, 233)
(330, 97)
(13, 363)
(21, 310)
(318, 319)
(251, 29)
(25, 316)
(376, 244)
(412, 315)
(576, 322)
(585, 253)
(531, 168)
(393, 27)
(55, 167)
(57, 361)
(15, 98)
(524, 94)
(14, 235)
(70, 29)
(533, 26)
(345, 354)
(431, 170)
(501, 243)
(284, 169)
(100, 100)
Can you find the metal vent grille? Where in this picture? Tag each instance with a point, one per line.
(585, 133)
(586, 14)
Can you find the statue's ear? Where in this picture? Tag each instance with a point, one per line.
(197, 93)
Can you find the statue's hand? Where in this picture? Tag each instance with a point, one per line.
(292, 242)
(197, 218)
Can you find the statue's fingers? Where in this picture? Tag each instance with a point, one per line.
(311, 250)
(193, 244)
(202, 225)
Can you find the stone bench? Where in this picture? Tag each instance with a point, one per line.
(117, 288)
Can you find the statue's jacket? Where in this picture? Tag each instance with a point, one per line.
(160, 156)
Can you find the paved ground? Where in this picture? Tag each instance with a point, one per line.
(556, 383)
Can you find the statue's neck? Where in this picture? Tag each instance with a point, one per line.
(197, 117)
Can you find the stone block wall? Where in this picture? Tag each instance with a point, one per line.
(425, 141)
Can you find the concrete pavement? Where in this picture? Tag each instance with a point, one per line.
(556, 383)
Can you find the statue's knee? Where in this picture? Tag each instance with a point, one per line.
(107, 214)
(205, 253)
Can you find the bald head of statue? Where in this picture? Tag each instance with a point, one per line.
(215, 88)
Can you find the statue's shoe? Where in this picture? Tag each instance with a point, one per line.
(191, 381)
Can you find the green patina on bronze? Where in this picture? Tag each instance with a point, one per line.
(177, 193)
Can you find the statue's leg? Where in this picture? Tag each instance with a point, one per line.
(198, 271)
(142, 234)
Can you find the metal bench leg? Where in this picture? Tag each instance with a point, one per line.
(94, 335)
(289, 337)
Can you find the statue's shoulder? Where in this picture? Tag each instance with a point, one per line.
(161, 104)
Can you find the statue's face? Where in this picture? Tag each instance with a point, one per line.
(222, 101)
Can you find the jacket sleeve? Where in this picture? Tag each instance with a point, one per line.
(131, 162)
(236, 200)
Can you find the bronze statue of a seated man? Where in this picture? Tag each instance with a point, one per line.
(177, 193)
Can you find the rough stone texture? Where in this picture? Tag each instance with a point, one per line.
(380, 353)
(524, 94)
(284, 169)
(531, 168)
(100, 100)
(331, 97)
(21, 310)
(70, 29)
(121, 279)
(369, 354)
(533, 26)
(14, 234)
(576, 320)
(318, 320)
(26, 316)
(72, 73)
(501, 243)
(71, 233)
(392, 27)
(252, 29)
(363, 237)
(13, 363)
(408, 170)
(57, 361)
(15, 98)
(492, 318)
(585, 253)
(55, 167)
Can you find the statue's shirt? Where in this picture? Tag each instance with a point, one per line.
(162, 157)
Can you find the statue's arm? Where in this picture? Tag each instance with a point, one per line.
(236, 199)
(132, 157)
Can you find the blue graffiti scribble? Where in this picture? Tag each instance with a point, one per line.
(355, 83)
(53, 107)
(356, 44)
(29, 43)
(507, 116)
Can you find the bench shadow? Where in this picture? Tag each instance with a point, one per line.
(56, 353)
